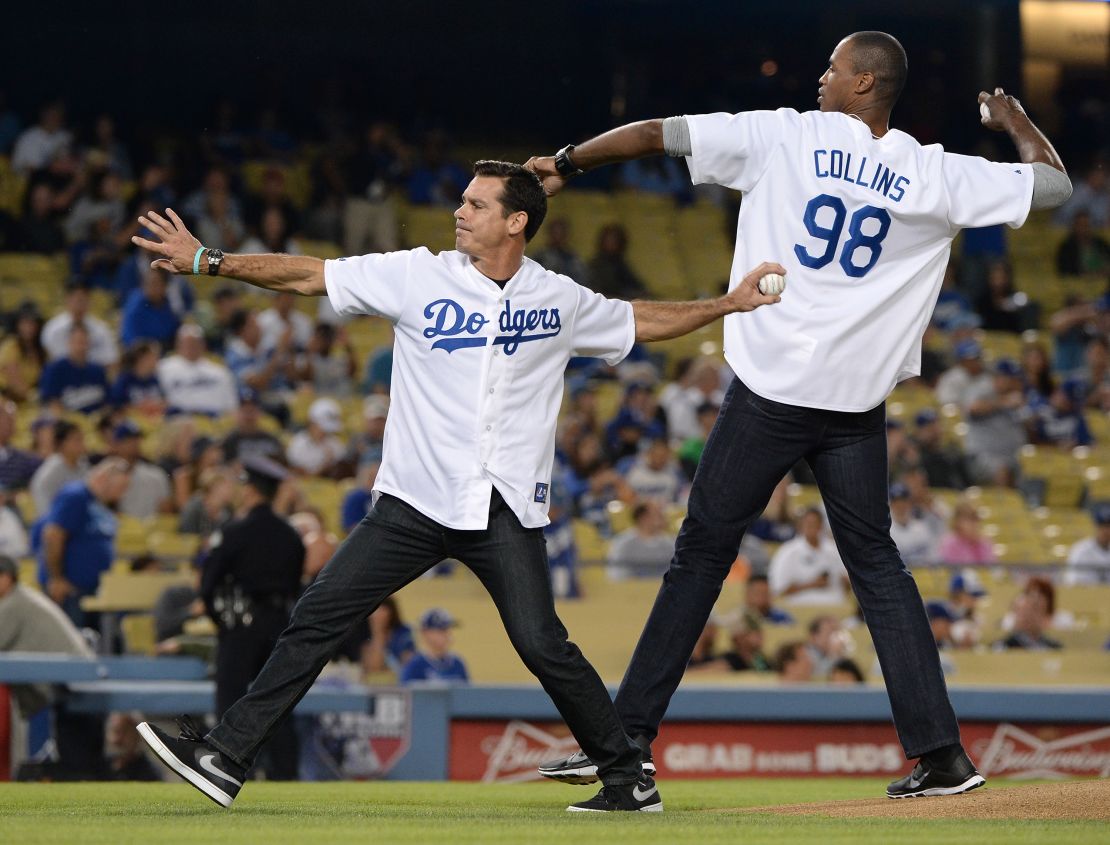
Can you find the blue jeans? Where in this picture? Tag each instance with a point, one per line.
(393, 545)
(753, 445)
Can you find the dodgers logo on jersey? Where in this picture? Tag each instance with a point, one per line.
(541, 492)
(456, 329)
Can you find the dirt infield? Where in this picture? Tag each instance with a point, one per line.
(1075, 800)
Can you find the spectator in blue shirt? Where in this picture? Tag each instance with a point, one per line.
(435, 662)
(147, 313)
(357, 503)
(78, 534)
(1059, 420)
(137, 386)
(74, 383)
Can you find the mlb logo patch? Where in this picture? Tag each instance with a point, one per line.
(541, 492)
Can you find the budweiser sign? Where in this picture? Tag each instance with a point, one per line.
(515, 754)
(1017, 753)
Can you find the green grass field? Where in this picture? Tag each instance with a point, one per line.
(456, 813)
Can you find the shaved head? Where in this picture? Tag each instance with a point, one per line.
(882, 56)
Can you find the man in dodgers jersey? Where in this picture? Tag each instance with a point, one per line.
(863, 217)
(482, 337)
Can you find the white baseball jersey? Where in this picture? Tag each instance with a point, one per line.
(863, 226)
(477, 375)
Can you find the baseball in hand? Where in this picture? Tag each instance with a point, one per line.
(772, 284)
(983, 110)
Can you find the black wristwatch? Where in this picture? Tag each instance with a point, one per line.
(564, 164)
(215, 256)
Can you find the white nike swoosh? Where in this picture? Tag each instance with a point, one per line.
(643, 796)
(205, 762)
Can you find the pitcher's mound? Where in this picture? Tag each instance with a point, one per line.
(1075, 800)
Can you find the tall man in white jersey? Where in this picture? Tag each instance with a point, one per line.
(482, 337)
(863, 217)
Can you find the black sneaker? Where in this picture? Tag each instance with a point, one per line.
(578, 768)
(639, 797)
(195, 760)
(927, 779)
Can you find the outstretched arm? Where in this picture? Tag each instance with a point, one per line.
(1005, 114)
(664, 320)
(293, 273)
(633, 140)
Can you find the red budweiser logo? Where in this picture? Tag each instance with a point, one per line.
(1016, 753)
(515, 754)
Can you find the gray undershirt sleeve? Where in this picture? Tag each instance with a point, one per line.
(1051, 187)
(676, 137)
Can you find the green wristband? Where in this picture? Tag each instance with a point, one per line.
(196, 262)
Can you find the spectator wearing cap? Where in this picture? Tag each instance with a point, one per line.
(317, 450)
(915, 538)
(964, 592)
(435, 662)
(17, 466)
(78, 536)
(954, 386)
(329, 363)
(1089, 559)
(136, 388)
(941, 619)
(965, 543)
(150, 491)
(943, 464)
(757, 599)
(74, 383)
(808, 570)
(68, 463)
(366, 446)
(637, 417)
(655, 474)
(901, 451)
(22, 356)
(1060, 421)
(644, 550)
(31, 622)
(194, 384)
(147, 314)
(247, 439)
(745, 653)
(102, 349)
(996, 415)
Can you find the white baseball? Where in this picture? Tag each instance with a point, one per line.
(983, 110)
(772, 284)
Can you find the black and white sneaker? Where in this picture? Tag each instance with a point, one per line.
(928, 779)
(195, 760)
(639, 797)
(580, 769)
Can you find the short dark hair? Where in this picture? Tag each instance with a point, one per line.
(238, 320)
(847, 664)
(786, 654)
(522, 191)
(757, 578)
(62, 430)
(884, 56)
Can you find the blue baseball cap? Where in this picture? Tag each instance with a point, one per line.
(1007, 367)
(967, 582)
(891, 422)
(926, 416)
(965, 320)
(1103, 302)
(248, 395)
(437, 619)
(126, 429)
(898, 490)
(1100, 512)
(940, 610)
(968, 349)
(1075, 389)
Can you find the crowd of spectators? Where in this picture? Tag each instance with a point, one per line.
(174, 350)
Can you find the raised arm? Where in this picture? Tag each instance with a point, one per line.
(633, 140)
(274, 271)
(1005, 114)
(664, 320)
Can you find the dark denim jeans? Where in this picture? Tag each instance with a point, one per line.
(753, 445)
(392, 546)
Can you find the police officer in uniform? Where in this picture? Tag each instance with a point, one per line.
(251, 579)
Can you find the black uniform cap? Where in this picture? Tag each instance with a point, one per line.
(263, 474)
